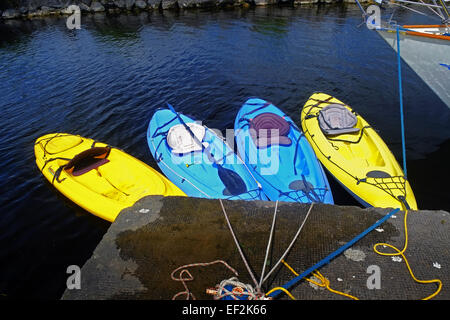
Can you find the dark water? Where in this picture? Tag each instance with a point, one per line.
(105, 80)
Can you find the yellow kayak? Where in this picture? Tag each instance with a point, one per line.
(99, 178)
(353, 152)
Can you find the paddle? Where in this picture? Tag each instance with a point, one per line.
(232, 181)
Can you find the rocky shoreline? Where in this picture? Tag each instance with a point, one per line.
(26, 9)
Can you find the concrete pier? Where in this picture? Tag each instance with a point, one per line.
(148, 241)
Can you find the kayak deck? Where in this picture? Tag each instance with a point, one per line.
(203, 173)
(288, 170)
(360, 161)
(105, 189)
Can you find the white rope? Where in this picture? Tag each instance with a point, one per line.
(290, 245)
(268, 244)
(435, 12)
(258, 288)
(411, 9)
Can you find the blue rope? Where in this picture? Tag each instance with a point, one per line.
(155, 134)
(401, 100)
(334, 254)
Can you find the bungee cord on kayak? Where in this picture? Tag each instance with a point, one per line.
(378, 167)
(99, 178)
(295, 175)
(202, 153)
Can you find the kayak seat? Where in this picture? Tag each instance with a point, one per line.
(180, 139)
(88, 160)
(336, 119)
(269, 129)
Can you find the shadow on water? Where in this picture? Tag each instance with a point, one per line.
(430, 177)
(15, 31)
(116, 27)
(51, 234)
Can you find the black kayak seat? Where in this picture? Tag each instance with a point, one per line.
(88, 160)
(336, 119)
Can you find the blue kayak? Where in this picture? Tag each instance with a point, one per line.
(278, 154)
(197, 160)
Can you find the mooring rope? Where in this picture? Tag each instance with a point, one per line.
(401, 253)
(400, 91)
(268, 244)
(324, 283)
(290, 245)
(258, 288)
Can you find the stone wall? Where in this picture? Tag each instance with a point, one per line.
(13, 9)
(149, 240)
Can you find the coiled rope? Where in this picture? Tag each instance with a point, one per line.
(239, 290)
(401, 253)
(185, 271)
(221, 290)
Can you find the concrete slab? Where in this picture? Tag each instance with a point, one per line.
(157, 235)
